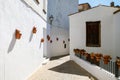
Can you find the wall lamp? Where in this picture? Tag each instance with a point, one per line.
(51, 19)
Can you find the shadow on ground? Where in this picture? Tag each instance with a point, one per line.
(58, 57)
(71, 67)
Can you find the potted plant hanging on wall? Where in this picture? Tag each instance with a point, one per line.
(34, 30)
(17, 34)
(48, 37)
(42, 40)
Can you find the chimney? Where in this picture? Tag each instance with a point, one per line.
(112, 4)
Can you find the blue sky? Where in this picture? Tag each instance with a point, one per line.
(97, 2)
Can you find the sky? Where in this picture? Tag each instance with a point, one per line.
(98, 2)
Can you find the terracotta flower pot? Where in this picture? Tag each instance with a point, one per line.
(48, 37)
(98, 59)
(106, 59)
(34, 30)
(118, 63)
(98, 56)
(92, 55)
(76, 51)
(42, 40)
(118, 66)
(82, 51)
(17, 34)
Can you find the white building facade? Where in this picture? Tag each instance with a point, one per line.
(60, 9)
(116, 24)
(19, 58)
(78, 21)
(109, 36)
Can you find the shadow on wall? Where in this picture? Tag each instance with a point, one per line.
(12, 43)
(40, 45)
(31, 36)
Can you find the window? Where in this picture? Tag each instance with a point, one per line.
(93, 34)
(64, 45)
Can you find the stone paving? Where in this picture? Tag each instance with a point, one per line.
(61, 68)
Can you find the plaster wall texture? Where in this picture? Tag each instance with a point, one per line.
(78, 30)
(19, 58)
(109, 37)
(116, 33)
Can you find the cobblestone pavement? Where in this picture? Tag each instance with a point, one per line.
(61, 68)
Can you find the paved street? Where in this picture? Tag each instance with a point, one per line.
(61, 68)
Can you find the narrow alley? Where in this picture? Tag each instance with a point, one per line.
(61, 68)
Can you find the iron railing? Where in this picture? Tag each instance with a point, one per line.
(111, 67)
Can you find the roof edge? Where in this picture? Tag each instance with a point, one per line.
(116, 11)
(85, 3)
(92, 8)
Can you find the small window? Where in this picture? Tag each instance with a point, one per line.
(64, 45)
(93, 34)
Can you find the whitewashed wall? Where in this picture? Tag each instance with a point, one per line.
(78, 37)
(60, 9)
(38, 7)
(19, 57)
(96, 71)
(57, 47)
(78, 29)
(2, 65)
(116, 34)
